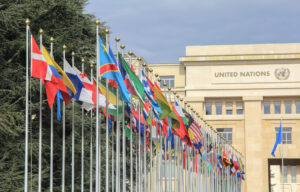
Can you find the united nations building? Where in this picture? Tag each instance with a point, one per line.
(243, 92)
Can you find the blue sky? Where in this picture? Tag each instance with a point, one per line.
(159, 30)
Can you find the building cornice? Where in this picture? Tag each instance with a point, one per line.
(238, 57)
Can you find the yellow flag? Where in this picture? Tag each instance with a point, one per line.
(50, 61)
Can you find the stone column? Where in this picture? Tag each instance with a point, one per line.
(254, 163)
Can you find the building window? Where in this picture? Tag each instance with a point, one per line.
(286, 135)
(218, 108)
(228, 108)
(277, 107)
(266, 107)
(284, 174)
(298, 107)
(294, 174)
(208, 108)
(226, 133)
(288, 107)
(239, 108)
(168, 79)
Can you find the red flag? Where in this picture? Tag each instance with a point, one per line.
(181, 131)
(39, 67)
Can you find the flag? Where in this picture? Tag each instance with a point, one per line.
(74, 78)
(135, 87)
(164, 105)
(109, 70)
(149, 92)
(179, 129)
(195, 134)
(278, 139)
(86, 93)
(39, 66)
(226, 162)
(59, 81)
(180, 112)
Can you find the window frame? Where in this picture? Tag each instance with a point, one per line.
(206, 104)
(297, 111)
(239, 107)
(269, 107)
(275, 105)
(285, 106)
(169, 79)
(226, 132)
(293, 174)
(228, 107)
(217, 105)
(285, 132)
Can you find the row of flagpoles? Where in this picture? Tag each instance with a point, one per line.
(171, 140)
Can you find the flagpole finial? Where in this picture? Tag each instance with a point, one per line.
(51, 39)
(106, 31)
(178, 96)
(97, 22)
(169, 88)
(139, 58)
(188, 105)
(144, 64)
(64, 47)
(156, 75)
(174, 92)
(117, 38)
(82, 60)
(122, 46)
(181, 99)
(151, 70)
(158, 79)
(27, 21)
(165, 84)
(92, 65)
(73, 53)
(41, 31)
(130, 53)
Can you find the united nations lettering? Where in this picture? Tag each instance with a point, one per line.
(282, 73)
(243, 74)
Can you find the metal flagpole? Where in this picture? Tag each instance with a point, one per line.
(139, 132)
(51, 130)
(131, 171)
(165, 152)
(64, 134)
(73, 137)
(91, 140)
(40, 122)
(82, 137)
(118, 129)
(151, 150)
(97, 106)
(112, 162)
(26, 108)
(282, 162)
(106, 131)
(145, 145)
(139, 146)
(175, 153)
(124, 138)
(170, 151)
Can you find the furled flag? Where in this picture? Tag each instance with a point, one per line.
(278, 140)
(39, 66)
(60, 81)
(226, 162)
(135, 87)
(149, 92)
(74, 78)
(109, 70)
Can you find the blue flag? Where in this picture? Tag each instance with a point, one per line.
(278, 140)
(59, 101)
(109, 70)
